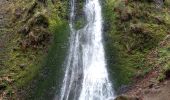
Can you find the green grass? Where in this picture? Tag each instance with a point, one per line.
(163, 61)
(25, 66)
(51, 75)
(129, 42)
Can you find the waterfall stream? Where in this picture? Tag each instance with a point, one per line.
(86, 76)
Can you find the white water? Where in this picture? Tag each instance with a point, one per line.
(86, 76)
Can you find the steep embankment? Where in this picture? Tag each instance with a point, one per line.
(136, 36)
(137, 40)
(28, 29)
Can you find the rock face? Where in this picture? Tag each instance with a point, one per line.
(123, 97)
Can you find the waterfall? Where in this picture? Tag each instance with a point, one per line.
(86, 76)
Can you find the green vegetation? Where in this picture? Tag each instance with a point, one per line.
(163, 59)
(132, 32)
(36, 26)
(37, 42)
(47, 82)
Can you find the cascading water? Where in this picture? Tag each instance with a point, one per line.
(86, 76)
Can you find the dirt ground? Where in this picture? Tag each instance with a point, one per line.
(149, 88)
(161, 93)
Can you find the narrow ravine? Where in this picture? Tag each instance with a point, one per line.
(86, 76)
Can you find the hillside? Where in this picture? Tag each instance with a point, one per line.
(34, 41)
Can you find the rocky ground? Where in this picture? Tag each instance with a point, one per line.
(153, 86)
(149, 89)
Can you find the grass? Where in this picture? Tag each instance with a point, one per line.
(163, 61)
(131, 32)
(128, 41)
(52, 68)
(24, 66)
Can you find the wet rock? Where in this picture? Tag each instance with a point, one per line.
(123, 97)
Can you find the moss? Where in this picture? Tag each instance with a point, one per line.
(132, 32)
(27, 51)
(79, 24)
(163, 61)
(52, 70)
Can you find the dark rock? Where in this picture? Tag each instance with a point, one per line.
(151, 85)
(2, 86)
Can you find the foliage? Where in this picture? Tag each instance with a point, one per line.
(131, 33)
(36, 28)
